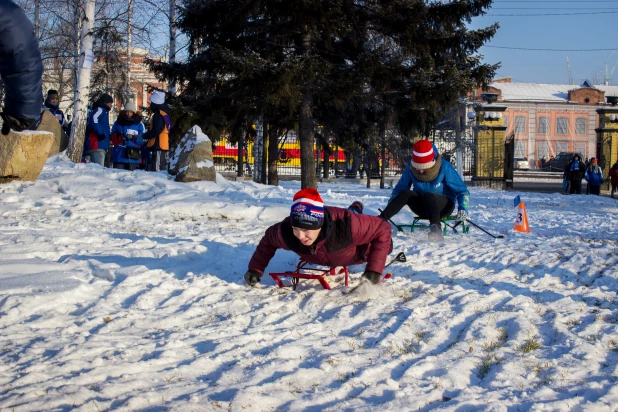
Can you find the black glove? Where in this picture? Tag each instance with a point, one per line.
(252, 278)
(373, 277)
(11, 122)
(100, 137)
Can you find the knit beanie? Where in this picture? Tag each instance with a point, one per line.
(157, 97)
(105, 99)
(130, 106)
(307, 210)
(423, 156)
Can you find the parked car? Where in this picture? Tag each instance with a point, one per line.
(521, 163)
(558, 163)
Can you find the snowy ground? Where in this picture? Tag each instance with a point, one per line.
(122, 291)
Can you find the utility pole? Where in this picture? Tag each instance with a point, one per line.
(569, 71)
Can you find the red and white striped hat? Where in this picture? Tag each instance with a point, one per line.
(423, 156)
(307, 210)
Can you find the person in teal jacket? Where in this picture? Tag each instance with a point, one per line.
(594, 177)
(436, 187)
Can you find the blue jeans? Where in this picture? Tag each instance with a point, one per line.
(97, 156)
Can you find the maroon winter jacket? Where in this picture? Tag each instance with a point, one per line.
(345, 239)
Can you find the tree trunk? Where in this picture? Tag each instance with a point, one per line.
(326, 152)
(382, 155)
(264, 165)
(172, 57)
(273, 154)
(82, 90)
(241, 155)
(305, 136)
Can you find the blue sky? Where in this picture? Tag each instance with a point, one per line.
(567, 31)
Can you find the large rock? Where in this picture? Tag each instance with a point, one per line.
(23, 154)
(49, 123)
(192, 159)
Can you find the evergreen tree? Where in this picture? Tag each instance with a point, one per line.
(348, 65)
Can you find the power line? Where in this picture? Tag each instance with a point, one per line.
(556, 50)
(549, 14)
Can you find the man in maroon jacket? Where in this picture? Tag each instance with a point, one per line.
(328, 236)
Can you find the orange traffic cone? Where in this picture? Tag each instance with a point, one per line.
(521, 221)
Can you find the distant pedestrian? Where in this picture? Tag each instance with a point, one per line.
(576, 172)
(51, 103)
(594, 177)
(613, 176)
(157, 136)
(96, 143)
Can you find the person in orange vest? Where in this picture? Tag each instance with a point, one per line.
(157, 136)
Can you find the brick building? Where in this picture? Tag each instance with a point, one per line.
(547, 119)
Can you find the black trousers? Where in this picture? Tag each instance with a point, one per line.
(576, 187)
(428, 206)
(594, 190)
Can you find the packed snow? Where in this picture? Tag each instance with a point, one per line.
(123, 290)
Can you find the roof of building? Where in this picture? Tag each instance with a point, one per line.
(539, 92)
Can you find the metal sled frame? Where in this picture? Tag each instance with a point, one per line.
(303, 272)
(465, 228)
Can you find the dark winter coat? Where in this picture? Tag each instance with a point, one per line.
(21, 68)
(131, 130)
(346, 238)
(58, 114)
(613, 175)
(160, 125)
(575, 170)
(97, 129)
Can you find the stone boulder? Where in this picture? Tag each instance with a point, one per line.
(23, 154)
(49, 123)
(192, 160)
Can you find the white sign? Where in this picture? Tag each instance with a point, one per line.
(88, 59)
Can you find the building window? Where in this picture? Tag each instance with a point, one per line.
(543, 150)
(580, 126)
(543, 125)
(581, 148)
(562, 126)
(520, 149)
(520, 124)
(562, 147)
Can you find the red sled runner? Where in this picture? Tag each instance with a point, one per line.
(303, 272)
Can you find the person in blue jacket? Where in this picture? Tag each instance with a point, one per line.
(436, 187)
(51, 103)
(127, 133)
(96, 142)
(594, 177)
(21, 69)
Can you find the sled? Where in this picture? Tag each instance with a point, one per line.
(304, 272)
(416, 224)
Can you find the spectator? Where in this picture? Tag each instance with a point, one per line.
(157, 136)
(51, 103)
(127, 133)
(435, 188)
(96, 143)
(21, 69)
(543, 162)
(613, 176)
(328, 236)
(575, 172)
(594, 177)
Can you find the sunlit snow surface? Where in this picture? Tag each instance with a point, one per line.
(123, 291)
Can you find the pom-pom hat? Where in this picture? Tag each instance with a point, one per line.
(307, 210)
(423, 156)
